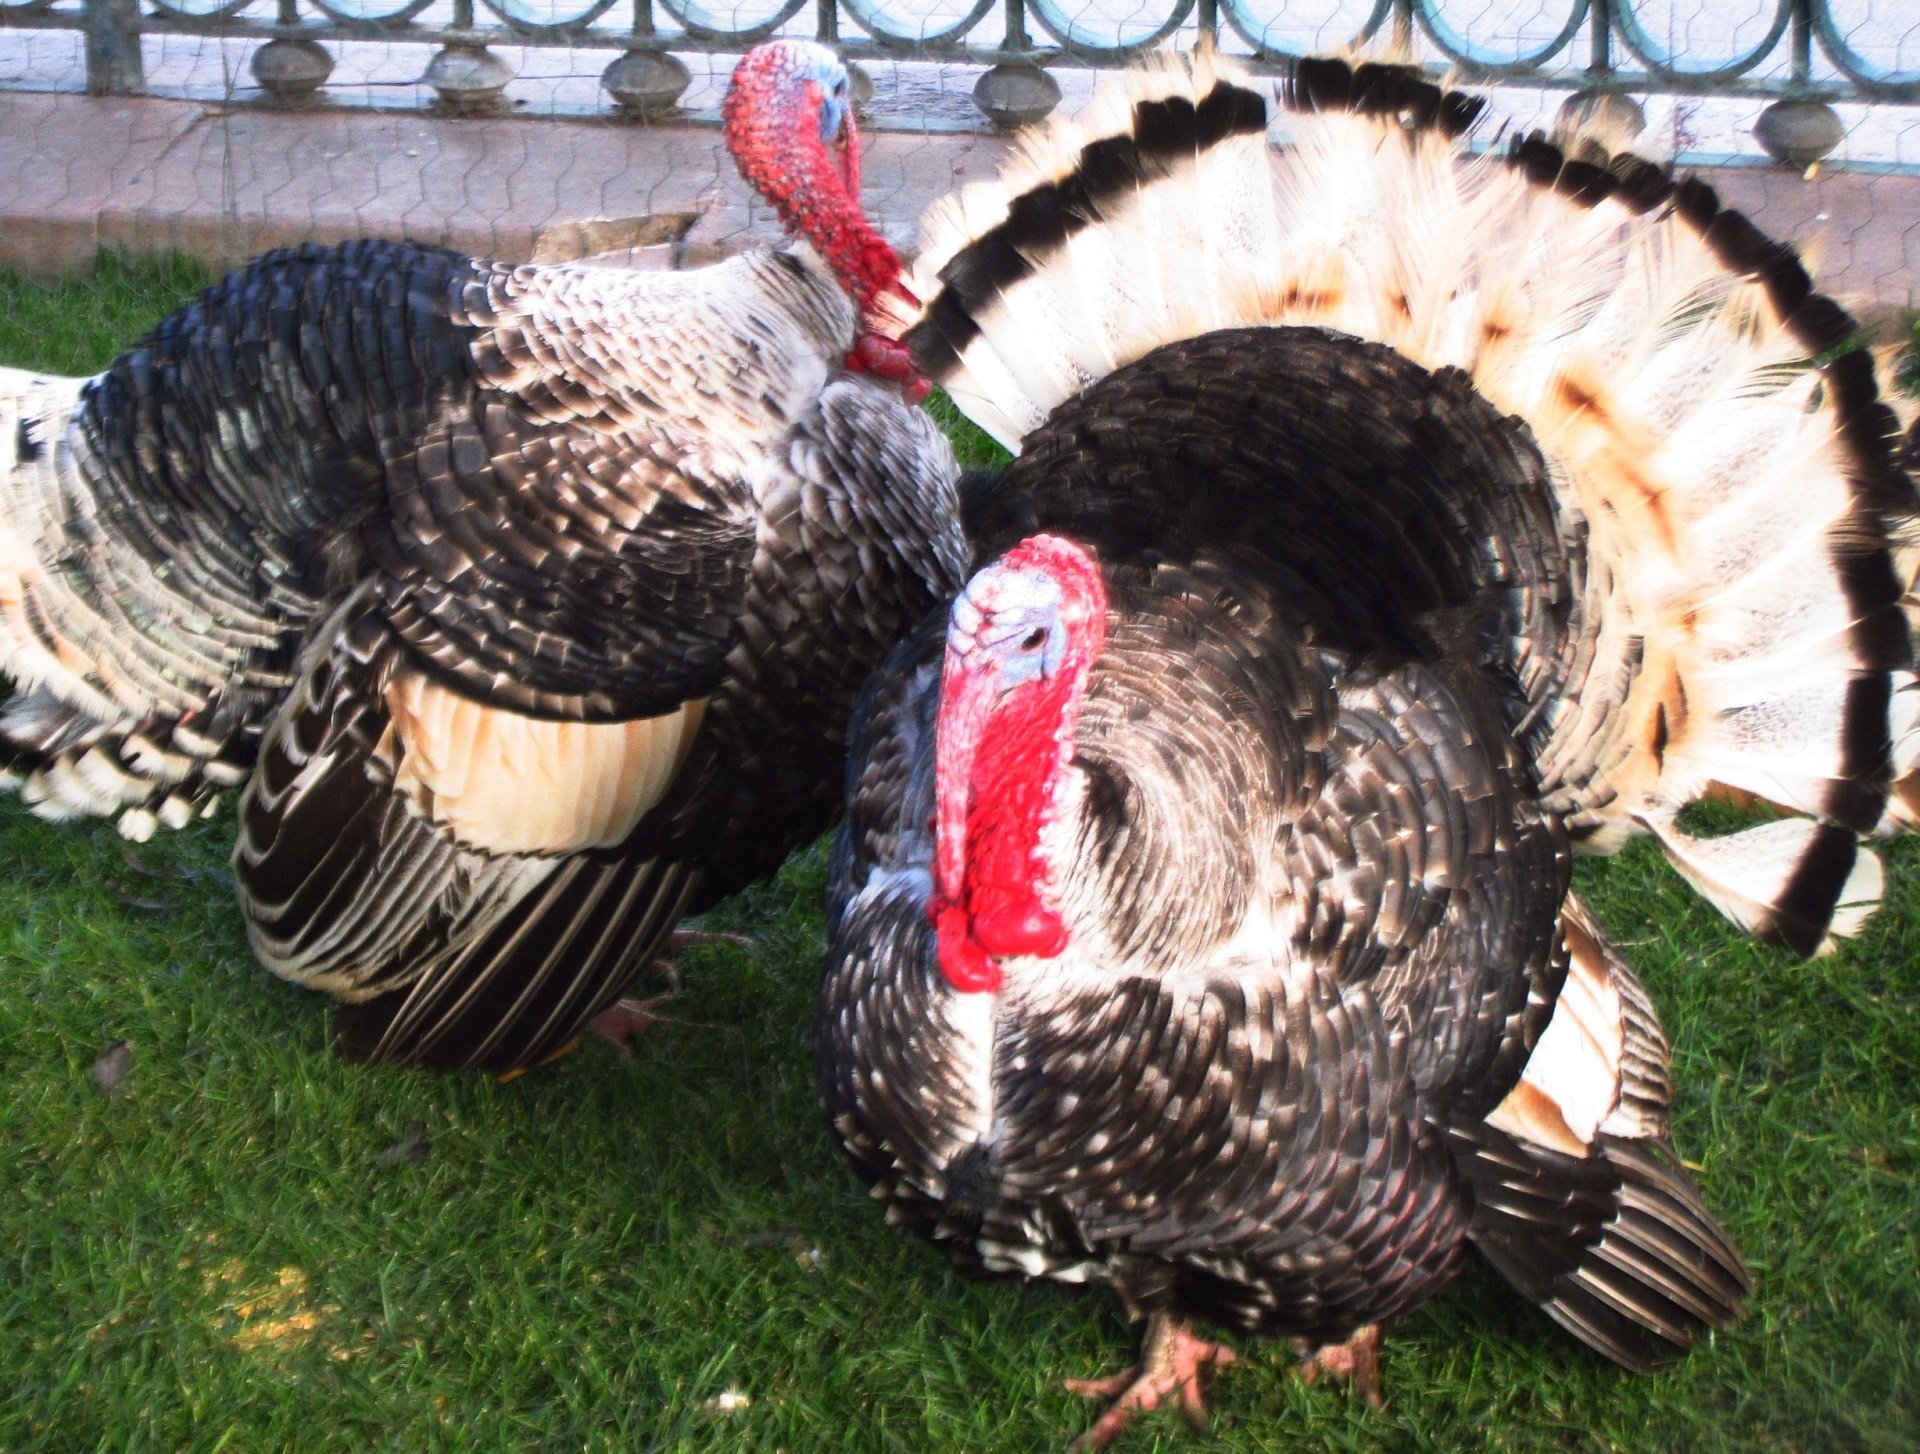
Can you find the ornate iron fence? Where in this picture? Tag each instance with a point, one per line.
(1806, 53)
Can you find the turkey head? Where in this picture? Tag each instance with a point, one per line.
(789, 125)
(1021, 640)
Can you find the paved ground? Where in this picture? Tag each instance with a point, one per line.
(146, 175)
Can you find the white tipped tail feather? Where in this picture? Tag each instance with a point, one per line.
(1903, 805)
(1792, 879)
(1726, 501)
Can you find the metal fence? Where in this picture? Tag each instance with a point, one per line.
(1805, 53)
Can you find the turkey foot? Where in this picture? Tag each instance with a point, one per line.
(619, 1025)
(1357, 1361)
(1172, 1361)
(621, 1022)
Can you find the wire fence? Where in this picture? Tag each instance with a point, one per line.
(475, 53)
(316, 104)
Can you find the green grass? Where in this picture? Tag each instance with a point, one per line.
(974, 446)
(77, 325)
(219, 1257)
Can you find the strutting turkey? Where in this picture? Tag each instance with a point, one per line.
(1383, 525)
(539, 595)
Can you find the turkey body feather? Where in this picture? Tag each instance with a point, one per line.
(489, 568)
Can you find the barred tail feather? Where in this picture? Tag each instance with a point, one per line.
(1102, 239)
(1793, 881)
(103, 656)
(1579, 1201)
(1903, 804)
(1733, 499)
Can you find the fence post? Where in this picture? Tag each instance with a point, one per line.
(1016, 92)
(114, 67)
(1599, 111)
(645, 80)
(1600, 39)
(1798, 130)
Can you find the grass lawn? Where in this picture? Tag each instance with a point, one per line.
(251, 1247)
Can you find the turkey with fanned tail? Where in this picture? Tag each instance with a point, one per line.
(1384, 527)
(525, 604)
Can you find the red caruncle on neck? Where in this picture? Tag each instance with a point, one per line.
(1002, 756)
(772, 125)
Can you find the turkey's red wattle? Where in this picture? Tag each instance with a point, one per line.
(1012, 927)
(1001, 756)
(967, 966)
(996, 778)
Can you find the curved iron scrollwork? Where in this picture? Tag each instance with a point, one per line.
(1873, 80)
(906, 35)
(1457, 45)
(1257, 32)
(1796, 50)
(709, 25)
(1671, 65)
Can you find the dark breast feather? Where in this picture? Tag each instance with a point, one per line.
(1396, 511)
(857, 540)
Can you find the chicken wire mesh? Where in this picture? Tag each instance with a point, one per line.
(566, 128)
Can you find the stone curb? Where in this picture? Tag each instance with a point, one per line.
(147, 175)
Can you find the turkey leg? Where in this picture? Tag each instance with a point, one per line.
(623, 1021)
(1357, 1361)
(1173, 1361)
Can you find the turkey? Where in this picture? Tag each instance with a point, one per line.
(1384, 527)
(525, 605)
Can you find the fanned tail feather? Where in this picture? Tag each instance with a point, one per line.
(1725, 466)
(1903, 804)
(1798, 882)
(1102, 239)
(114, 669)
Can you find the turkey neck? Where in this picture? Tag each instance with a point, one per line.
(779, 152)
